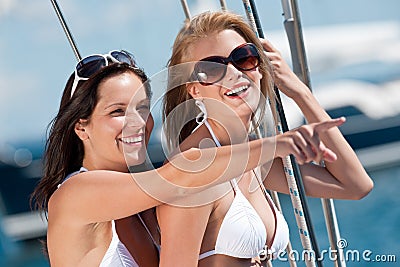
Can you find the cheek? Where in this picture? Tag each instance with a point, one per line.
(211, 91)
(116, 124)
(120, 122)
(257, 76)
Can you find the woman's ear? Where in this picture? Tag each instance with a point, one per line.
(193, 91)
(80, 129)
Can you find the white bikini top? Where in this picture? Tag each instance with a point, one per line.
(242, 233)
(117, 255)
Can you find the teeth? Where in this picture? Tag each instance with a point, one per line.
(237, 90)
(130, 140)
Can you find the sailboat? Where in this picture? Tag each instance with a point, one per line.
(373, 118)
(362, 124)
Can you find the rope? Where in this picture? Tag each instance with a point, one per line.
(288, 169)
(250, 16)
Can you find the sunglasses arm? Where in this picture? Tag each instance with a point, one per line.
(75, 84)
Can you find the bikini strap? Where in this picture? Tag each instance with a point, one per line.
(148, 232)
(214, 137)
(206, 254)
(233, 182)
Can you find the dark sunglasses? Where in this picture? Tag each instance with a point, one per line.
(212, 69)
(89, 65)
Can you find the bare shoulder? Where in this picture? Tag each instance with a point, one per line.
(64, 196)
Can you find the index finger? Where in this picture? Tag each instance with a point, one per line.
(326, 125)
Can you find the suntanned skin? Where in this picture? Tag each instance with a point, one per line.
(80, 211)
(188, 232)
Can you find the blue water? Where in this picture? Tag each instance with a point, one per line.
(368, 224)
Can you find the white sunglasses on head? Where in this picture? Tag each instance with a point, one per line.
(89, 65)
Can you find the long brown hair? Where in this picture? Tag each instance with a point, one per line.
(199, 27)
(64, 150)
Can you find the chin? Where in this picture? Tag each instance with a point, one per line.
(135, 158)
(252, 101)
(245, 110)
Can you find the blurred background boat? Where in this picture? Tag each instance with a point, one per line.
(373, 118)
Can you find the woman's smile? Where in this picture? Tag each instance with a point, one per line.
(238, 92)
(133, 140)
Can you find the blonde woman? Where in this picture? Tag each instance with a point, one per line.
(232, 71)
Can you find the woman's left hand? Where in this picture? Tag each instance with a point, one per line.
(285, 79)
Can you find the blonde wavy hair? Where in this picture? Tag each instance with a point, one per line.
(199, 27)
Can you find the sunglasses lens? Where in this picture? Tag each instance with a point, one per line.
(246, 57)
(210, 70)
(123, 56)
(89, 65)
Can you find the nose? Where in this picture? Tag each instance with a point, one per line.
(232, 73)
(134, 119)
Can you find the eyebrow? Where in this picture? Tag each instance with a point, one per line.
(145, 100)
(115, 104)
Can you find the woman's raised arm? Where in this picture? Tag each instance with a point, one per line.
(99, 195)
